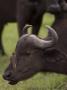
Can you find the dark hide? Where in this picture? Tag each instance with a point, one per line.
(34, 15)
(31, 12)
(60, 25)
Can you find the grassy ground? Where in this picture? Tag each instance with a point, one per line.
(41, 81)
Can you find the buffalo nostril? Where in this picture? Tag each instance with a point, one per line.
(7, 75)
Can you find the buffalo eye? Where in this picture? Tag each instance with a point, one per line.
(25, 53)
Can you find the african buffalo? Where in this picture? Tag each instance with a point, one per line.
(33, 55)
(26, 11)
(20, 11)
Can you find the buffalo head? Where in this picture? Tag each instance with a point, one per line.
(32, 55)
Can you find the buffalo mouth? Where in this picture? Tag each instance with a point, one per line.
(25, 77)
(29, 72)
(12, 82)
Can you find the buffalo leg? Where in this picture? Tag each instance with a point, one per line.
(37, 20)
(36, 27)
(23, 18)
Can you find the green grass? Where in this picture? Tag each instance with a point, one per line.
(41, 81)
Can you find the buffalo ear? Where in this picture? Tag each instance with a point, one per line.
(56, 61)
(56, 55)
(59, 55)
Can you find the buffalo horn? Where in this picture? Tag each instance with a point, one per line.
(45, 43)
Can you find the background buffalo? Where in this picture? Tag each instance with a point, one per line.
(26, 12)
